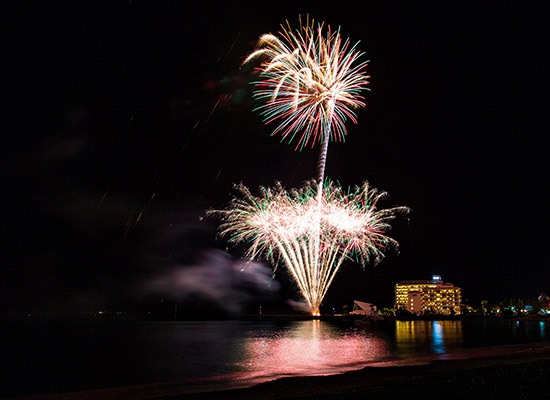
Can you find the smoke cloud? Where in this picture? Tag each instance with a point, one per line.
(217, 279)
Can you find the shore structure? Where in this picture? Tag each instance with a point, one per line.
(363, 309)
(428, 297)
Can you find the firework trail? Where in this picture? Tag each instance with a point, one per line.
(282, 226)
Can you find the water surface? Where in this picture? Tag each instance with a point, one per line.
(66, 356)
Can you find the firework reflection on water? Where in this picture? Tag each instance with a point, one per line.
(308, 348)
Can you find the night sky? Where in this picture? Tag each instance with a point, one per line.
(125, 121)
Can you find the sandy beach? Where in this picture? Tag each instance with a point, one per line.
(506, 372)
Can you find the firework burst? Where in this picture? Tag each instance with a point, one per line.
(311, 82)
(283, 226)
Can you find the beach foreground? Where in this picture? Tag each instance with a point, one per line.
(508, 372)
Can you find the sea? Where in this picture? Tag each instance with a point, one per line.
(60, 357)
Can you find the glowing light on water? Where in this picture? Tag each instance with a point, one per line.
(435, 336)
(438, 338)
(311, 240)
(310, 348)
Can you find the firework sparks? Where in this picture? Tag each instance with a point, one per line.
(283, 226)
(311, 81)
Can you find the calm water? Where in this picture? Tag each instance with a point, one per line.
(63, 356)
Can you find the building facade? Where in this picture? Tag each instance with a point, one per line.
(428, 297)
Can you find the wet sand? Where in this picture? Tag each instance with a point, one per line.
(507, 372)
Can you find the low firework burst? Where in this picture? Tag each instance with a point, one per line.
(286, 226)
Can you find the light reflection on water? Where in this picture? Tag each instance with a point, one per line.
(202, 355)
(310, 347)
(436, 337)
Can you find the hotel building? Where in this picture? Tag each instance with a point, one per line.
(428, 297)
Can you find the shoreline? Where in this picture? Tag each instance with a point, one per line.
(504, 372)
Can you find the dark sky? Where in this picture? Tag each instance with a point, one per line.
(125, 121)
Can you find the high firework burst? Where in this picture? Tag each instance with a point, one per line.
(311, 82)
(285, 226)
